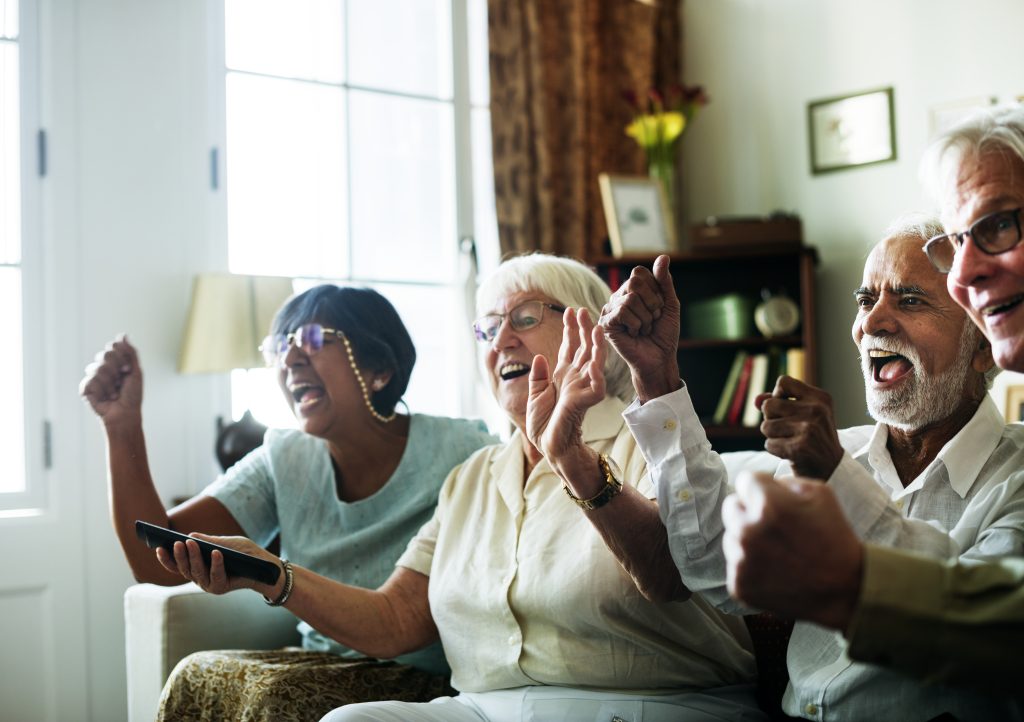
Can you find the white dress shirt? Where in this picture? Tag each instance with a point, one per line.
(524, 591)
(968, 502)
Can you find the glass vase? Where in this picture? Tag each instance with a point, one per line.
(661, 168)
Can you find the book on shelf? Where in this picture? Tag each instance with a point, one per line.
(614, 278)
(729, 389)
(795, 364)
(758, 379)
(739, 398)
(775, 356)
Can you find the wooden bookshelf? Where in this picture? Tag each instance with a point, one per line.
(705, 362)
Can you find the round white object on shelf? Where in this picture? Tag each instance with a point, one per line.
(777, 316)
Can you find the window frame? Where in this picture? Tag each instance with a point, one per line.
(37, 429)
(464, 274)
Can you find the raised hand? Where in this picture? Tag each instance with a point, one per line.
(113, 383)
(188, 561)
(558, 401)
(800, 426)
(641, 320)
(789, 549)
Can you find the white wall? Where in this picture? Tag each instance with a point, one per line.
(747, 153)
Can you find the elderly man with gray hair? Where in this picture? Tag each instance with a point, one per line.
(943, 620)
(935, 474)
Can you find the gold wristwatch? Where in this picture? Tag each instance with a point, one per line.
(612, 485)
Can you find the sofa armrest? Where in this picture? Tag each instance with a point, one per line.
(165, 624)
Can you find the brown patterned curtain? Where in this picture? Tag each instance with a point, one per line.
(558, 71)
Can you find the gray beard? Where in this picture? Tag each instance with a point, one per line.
(922, 399)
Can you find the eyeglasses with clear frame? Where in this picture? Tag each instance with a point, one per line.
(309, 338)
(523, 317)
(993, 234)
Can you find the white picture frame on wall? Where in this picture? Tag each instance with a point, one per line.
(944, 116)
(638, 215)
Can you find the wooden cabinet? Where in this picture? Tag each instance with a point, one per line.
(705, 362)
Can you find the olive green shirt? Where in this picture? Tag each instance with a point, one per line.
(945, 621)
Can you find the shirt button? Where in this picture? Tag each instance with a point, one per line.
(670, 425)
(513, 640)
(899, 504)
(811, 708)
(683, 495)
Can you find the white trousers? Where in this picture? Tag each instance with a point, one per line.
(562, 704)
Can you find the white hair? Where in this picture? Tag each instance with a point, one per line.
(566, 281)
(992, 130)
(915, 224)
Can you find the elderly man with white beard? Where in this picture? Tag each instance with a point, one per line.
(936, 474)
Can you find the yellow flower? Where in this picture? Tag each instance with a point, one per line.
(657, 129)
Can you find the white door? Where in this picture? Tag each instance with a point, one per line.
(42, 616)
(43, 633)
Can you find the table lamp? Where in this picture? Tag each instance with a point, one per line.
(228, 318)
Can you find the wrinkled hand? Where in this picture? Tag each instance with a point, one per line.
(113, 383)
(641, 320)
(789, 550)
(187, 561)
(799, 425)
(558, 401)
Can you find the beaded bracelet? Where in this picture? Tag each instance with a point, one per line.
(286, 592)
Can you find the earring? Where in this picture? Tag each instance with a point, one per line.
(378, 384)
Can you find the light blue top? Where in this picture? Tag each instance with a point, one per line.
(288, 485)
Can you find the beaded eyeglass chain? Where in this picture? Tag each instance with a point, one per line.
(362, 384)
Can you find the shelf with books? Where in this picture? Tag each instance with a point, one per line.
(747, 342)
(712, 365)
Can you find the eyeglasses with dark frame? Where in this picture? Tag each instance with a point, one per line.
(993, 234)
(309, 338)
(523, 317)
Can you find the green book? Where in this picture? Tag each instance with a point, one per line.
(730, 388)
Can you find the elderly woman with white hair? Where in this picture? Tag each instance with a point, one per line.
(544, 572)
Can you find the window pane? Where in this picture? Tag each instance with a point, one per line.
(8, 18)
(434, 319)
(286, 177)
(292, 38)
(403, 204)
(10, 157)
(479, 62)
(485, 218)
(12, 402)
(401, 45)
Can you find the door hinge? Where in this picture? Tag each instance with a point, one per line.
(41, 151)
(214, 179)
(47, 445)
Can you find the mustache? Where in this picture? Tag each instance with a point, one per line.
(892, 345)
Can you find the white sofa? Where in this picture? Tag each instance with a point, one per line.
(165, 624)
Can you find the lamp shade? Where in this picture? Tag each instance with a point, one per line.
(229, 316)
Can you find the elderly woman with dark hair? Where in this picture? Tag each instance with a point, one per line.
(545, 573)
(345, 493)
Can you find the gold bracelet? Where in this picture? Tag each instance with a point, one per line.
(612, 487)
(286, 592)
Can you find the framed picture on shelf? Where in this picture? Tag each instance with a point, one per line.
(638, 215)
(1014, 403)
(852, 130)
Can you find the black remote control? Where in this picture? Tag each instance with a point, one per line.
(236, 564)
